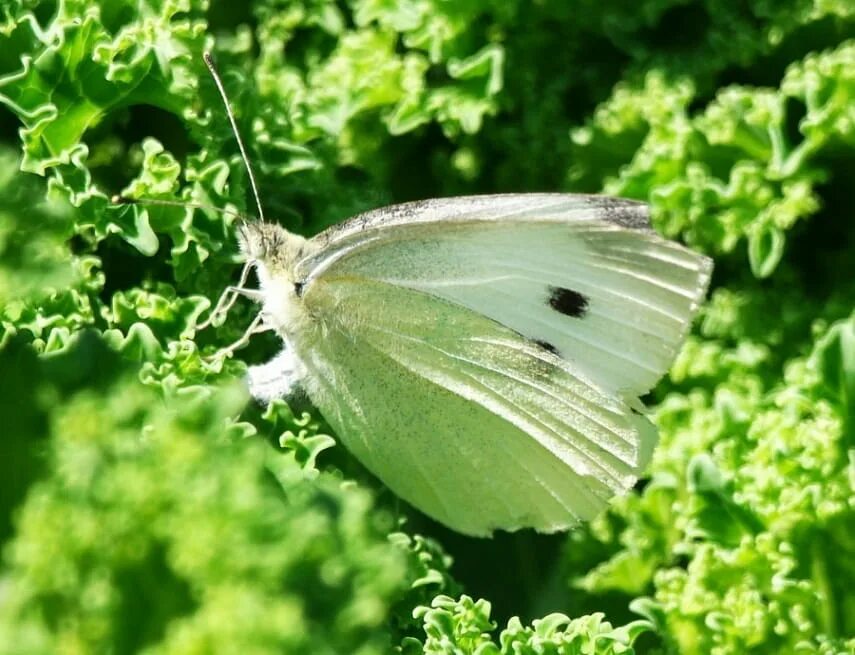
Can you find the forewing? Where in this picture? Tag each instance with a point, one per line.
(581, 275)
(462, 417)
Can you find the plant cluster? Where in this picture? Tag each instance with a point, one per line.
(146, 506)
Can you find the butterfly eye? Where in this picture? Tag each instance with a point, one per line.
(298, 288)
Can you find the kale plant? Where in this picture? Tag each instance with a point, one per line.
(146, 506)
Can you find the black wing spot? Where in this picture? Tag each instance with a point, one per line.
(547, 346)
(568, 302)
(298, 288)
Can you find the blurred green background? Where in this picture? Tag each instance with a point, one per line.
(147, 507)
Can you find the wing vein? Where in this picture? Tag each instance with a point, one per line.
(583, 453)
(516, 460)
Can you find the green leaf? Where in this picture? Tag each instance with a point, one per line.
(765, 249)
(834, 359)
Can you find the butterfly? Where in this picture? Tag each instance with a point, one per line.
(483, 356)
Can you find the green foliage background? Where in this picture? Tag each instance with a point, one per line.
(146, 507)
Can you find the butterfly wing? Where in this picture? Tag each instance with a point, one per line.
(483, 356)
(582, 275)
(463, 417)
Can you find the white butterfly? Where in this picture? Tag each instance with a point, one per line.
(483, 356)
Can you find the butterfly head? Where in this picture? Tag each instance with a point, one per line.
(271, 246)
(274, 253)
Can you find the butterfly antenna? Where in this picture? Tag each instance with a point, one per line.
(209, 62)
(125, 200)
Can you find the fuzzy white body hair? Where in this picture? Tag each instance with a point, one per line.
(282, 308)
(274, 252)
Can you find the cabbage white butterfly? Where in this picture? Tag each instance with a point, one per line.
(484, 355)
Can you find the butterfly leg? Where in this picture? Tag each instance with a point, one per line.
(278, 378)
(230, 296)
(255, 327)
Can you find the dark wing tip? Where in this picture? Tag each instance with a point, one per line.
(631, 214)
